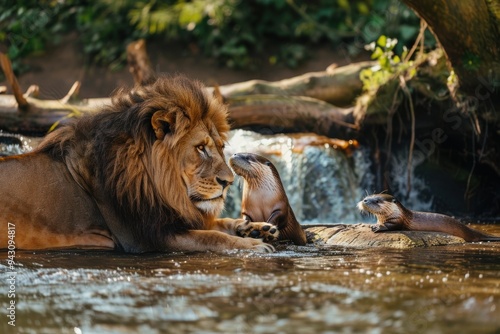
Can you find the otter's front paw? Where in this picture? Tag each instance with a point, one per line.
(264, 231)
(379, 228)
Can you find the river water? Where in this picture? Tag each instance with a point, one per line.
(295, 290)
(310, 289)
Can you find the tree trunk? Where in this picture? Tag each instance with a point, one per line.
(469, 32)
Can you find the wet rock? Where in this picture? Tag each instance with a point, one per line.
(361, 236)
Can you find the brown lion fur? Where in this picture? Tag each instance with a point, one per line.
(132, 171)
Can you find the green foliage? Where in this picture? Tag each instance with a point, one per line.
(29, 27)
(104, 33)
(389, 64)
(233, 31)
(26, 26)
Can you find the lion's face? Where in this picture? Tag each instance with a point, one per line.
(190, 169)
(204, 171)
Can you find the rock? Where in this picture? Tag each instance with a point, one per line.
(361, 236)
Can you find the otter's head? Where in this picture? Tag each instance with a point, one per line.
(255, 169)
(383, 206)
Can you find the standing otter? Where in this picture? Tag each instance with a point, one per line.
(392, 215)
(264, 198)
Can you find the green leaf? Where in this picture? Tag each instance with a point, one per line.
(396, 59)
(412, 72)
(377, 53)
(363, 8)
(384, 63)
(381, 41)
(344, 4)
(405, 52)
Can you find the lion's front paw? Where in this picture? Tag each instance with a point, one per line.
(264, 231)
(258, 245)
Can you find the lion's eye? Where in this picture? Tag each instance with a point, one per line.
(203, 150)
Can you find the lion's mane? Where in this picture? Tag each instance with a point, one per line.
(115, 156)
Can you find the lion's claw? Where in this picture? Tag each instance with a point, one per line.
(256, 245)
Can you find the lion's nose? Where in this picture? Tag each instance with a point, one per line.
(223, 183)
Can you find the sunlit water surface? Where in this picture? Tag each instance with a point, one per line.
(295, 290)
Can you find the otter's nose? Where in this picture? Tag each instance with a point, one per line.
(223, 183)
(242, 156)
(370, 201)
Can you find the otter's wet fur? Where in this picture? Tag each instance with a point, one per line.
(264, 198)
(392, 215)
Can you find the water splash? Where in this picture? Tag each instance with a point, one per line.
(11, 144)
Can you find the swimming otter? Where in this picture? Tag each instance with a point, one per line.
(264, 198)
(392, 215)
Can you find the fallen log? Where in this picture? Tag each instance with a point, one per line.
(291, 105)
(262, 113)
(42, 114)
(6, 66)
(277, 114)
(339, 86)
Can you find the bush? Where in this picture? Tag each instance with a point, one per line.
(232, 31)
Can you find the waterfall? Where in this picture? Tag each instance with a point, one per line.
(323, 184)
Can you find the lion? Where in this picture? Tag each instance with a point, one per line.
(145, 173)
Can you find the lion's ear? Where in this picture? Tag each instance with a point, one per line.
(161, 122)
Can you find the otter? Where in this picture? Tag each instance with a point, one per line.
(392, 215)
(264, 198)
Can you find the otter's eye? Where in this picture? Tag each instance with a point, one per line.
(268, 163)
